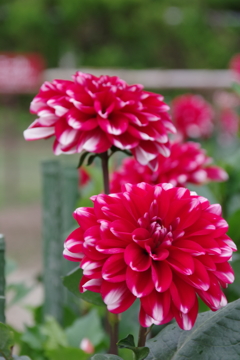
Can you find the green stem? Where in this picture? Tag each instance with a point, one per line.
(142, 336)
(104, 157)
(112, 319)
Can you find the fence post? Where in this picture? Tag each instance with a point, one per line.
(52, 240)
(2, 279)
(69, 181)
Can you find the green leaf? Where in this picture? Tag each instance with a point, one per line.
(55, 335)
(34, 337)
(72, 280)
(128, 343)
(115, 149)
(91, 159)
(82, 158)
(236, 88)
(215, 336)
(234, 228)
(21, 358)
(105, 357)
(6, 342)
(67, 354)
(129, 321)
(88, 326)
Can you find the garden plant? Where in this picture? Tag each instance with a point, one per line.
(152, 253)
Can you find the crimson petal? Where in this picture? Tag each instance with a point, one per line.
(114, 269)
(117, 297)
(137, 258)
(139, 283)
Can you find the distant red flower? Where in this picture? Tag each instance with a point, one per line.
(235, 65)
(188, 163)
(193, 116)
(164, 245)
(229, 122)
(94, 113)
(84, 177)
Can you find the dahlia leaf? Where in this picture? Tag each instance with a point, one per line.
(82, 158)
(128, 343)
(115, 149)
(215, 336)
(105, 357)
(91, 159)
(6, 342)
(71, 282)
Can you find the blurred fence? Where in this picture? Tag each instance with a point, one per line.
(156, 79)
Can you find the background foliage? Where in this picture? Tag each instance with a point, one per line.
(124, 33)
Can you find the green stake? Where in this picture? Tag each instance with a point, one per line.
(2, 279)
(52, 238)
(69, 183)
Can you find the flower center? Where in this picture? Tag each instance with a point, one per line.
(157, 230)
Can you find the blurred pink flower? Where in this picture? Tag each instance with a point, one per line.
(94, 113)
(193, 116)
(188, 163)
(87, 346)
(166, 246)
(229, 122)
(235, 66)
(84, 177)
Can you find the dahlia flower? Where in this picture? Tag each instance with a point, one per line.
(235, 66)
(188, 163)
(193, 116)
(165, 245)
(94, 113)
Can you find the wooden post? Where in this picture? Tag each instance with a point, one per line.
(52, 238)
(2, 279)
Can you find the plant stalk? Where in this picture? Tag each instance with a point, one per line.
(142, 335)
(112, 319)
(105, 171)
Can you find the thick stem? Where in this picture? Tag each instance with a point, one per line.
(112, 319)
(104, 158)
(142, 336)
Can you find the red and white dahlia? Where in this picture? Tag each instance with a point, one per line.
(187, 163)
(94, 113)
(193, 116)
(161, 244)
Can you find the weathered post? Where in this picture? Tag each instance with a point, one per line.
(52, 240)
(69, 184)
(2, 279)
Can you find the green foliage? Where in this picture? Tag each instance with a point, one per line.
(67, 353)
(140, 353)
(6, 342)
(125, 33)
(72, 280)
(87, 326)
(214, 336)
